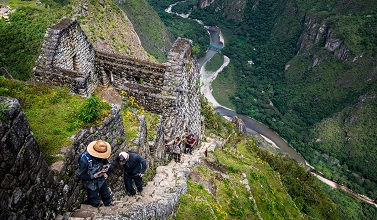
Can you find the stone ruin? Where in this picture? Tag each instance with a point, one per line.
(29, 188)
(171, 89)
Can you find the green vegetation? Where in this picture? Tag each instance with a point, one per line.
(107, 27)
(53, 113)
(270, 177)
(93, 108)
(317, 108)
(130, 112)
(3, 109)
(214, 63)
(224, 86)
(350, 208)
(213, 122)
(154, 36)
(21, 39)
(181, 27)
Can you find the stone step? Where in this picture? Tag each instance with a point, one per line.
(169, 182)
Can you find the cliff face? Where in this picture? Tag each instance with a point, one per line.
(317, 34)
(27, 187)
(336, 61)
(30, 189)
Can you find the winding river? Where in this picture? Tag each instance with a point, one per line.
(252, 125)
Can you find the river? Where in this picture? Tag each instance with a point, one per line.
(252, 125)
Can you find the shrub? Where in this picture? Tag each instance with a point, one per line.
(92, 109)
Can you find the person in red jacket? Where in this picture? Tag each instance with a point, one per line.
(190, 142)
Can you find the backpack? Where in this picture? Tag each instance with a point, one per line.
(88, 157)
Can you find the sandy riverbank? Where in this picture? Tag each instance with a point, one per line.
(207, 77)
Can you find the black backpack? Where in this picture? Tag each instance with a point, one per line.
(88, 157)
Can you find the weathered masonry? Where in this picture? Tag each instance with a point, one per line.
(171, 89)
(31, 189)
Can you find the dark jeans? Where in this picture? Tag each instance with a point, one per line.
(188, 149)
(177, 157)
(128, 183)
(94, 196)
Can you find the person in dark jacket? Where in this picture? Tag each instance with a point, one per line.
(92, 168)
(134, 167)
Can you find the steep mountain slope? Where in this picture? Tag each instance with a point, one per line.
(313, 61)
(105, 24)
(280, 187)
(155, 38)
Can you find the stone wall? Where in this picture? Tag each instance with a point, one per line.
(67, 58)
(170, 89)
(29, 188)
(141, 79)
(182, 82)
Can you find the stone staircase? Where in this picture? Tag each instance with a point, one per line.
(161, 196)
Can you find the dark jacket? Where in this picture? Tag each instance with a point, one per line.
(134, 166)
(88, 166)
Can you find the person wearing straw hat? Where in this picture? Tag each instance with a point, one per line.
(93, 165)
(134, 167)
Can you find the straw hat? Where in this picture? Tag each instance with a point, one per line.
(99, 149)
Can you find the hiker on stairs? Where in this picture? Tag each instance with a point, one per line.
(92, 168)
(134, 167)
(190, 142)
(176, 148)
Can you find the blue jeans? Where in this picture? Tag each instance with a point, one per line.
(128, 183)
(95, 196)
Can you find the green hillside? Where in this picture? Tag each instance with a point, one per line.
(153, 34)
(326, 111)
(313, 79)
(104, 23)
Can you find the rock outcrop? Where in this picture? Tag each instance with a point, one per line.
(206, 3)
(30, 189)
(239, 124)
(318, 33)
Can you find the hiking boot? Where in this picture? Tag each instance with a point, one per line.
(111, 204)
(141, 193)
